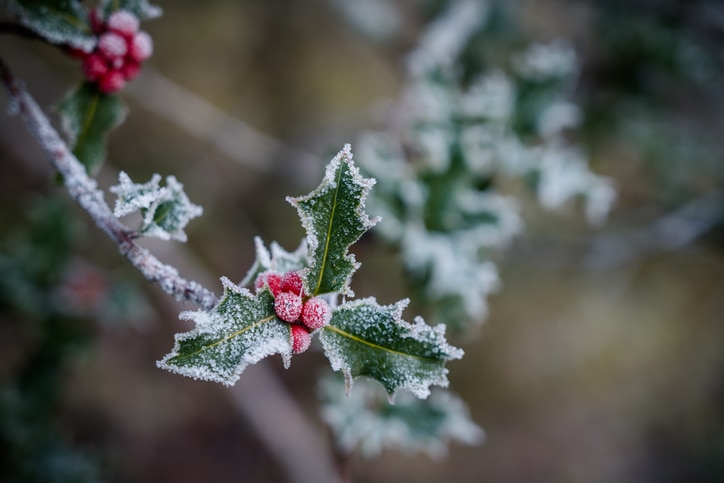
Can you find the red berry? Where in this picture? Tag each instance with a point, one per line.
(96, 21)
(292, 282)
(123, 23)
(316, 313)
(112, 81)
(301, 338)
(272, 279)
(130, 70)
(112, 46)
(94, 67)
(141, 47)
(288, 306)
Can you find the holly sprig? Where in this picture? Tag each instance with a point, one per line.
(359, 337)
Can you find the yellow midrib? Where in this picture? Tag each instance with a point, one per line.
(375, 346)
(224, 339)
(329, 231)
(87, 121)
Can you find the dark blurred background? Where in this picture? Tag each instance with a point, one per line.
(601, 359)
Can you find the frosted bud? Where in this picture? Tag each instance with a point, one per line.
(123, 23)
(301, 338)
(316, 313)
(288, 306)
(141, 47)
(112, 46)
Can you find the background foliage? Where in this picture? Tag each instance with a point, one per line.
(600, 360)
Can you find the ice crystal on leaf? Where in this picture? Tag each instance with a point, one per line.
(58, 22)
(364, 420)
(166, 210)
(142, 9)
(241, 330)
(360, 338)
(367, 339)
(334, 218)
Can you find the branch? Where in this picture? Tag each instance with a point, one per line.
(84, 191)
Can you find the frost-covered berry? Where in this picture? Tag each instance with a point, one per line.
(292, 282)
(301, 338)
(112, 81)
(141, 47)
(288, 306)
(123, 23)
(130, 70)
(94, 67)
(272, 279)
(112, 46)
(316, 313)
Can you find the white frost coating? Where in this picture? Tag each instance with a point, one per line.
(363, 421)
(175, 208)
(364, 325)
(277, 260)
(558, 117)
(84, 191)
(445, 38)
(134, 197)
(491, 96)
(545, 61)
(329, 182)
(236, 334)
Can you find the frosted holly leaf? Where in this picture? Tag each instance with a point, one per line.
(57, 21)
(140, 8)
(241, 330)
(171, 215)
(275, 259)
(87, 115)
(334, 218)
(165, 210)
(367, 339)
(136, 196)
(364, 421)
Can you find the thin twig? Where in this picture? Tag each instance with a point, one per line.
(84, 191)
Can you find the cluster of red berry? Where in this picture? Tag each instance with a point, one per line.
(119, 52)
(292, 305)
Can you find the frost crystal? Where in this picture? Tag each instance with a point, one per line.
(439, 174)
(165, 210)
(333, 216)
(241, 330)
(277, 261)
(367, 339)
(364, 421)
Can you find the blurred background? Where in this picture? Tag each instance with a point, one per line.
(600, 359)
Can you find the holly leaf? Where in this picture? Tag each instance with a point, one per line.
(367, 339)
(334, 218)
(140, 8)
(241, 330)
(364, 421)
(275, 259)
(58, 21)
(86, 116)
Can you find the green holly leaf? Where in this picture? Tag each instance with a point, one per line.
(87, 115)
(57, 21)
(140, 8)
(364, 421)
(275, 259)
(334, 218)
(241, 330)
(367, 339)
(166, 210)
